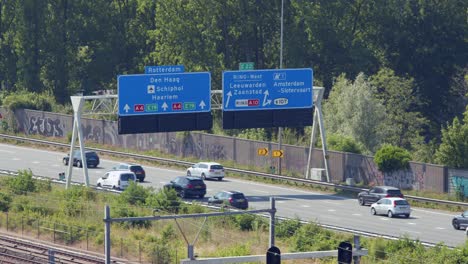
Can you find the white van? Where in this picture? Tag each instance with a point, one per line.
(118, 180)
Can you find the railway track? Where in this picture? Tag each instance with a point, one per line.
(19, 251)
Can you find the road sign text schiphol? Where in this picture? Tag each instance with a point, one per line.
(149, 94)
(267, 89)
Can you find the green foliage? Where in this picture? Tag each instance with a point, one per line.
(342, 143)
(248, 222)
(74, 200)
(311, 237)
(353, 110)
(165, 200)
(403, 125)
(391, 158)
(453, 151)
(23, 183)
(29, 100)
(134, 194)
(5, 202)
(288, 228)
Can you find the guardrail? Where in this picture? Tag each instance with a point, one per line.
(253, 173)
(326, 226)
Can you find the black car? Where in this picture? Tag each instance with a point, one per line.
(460, 221)
(231, 198)
(135, 168)
(378, 192)
(188, 186)
(92, 159)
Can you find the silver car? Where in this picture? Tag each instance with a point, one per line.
(391, 207)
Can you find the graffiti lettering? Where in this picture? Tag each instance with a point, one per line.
(45, 127)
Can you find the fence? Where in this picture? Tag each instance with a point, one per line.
(362, 169)
(85, 239)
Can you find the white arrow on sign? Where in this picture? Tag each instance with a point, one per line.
(164, 106)
(229, 94)
(202, 104)
(265, 101)
(126, 108)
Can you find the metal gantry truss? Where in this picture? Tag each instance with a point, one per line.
(108, 105)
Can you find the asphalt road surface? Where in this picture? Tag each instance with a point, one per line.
(427, 225)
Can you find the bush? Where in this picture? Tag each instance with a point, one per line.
(5, 202)
(29, 100)
(287, 228)
(165, 200)
(343, 143)
(23, 183)
(392, 158)
(134, 194)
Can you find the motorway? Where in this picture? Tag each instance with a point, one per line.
(427, 225)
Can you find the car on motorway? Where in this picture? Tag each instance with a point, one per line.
(460, 221)
(230, 198)
(186, 186)
(92, 159)
(118, 180)
(392, 206)
(378, 192)
(206, 170)
(135, 168)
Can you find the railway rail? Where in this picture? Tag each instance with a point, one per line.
(18, 251)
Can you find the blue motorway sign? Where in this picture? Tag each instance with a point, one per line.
(149, 94)
(164, 69)
(267, 89)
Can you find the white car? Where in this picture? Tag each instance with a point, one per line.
(207, 170)
(118, 180)
(391, 207)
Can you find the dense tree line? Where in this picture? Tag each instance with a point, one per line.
(406, 59)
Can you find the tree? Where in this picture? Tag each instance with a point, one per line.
(392, 158)
(352, 110)
(404, 125)
(453, 151)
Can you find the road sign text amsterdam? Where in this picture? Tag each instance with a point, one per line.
(267, 89)
(149, 94)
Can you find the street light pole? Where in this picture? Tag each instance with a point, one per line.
(280, 129)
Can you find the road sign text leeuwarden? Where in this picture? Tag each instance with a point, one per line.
(267, 89)
(143, 94)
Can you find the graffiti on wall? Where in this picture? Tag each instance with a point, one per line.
(91, 132)
(401, 179)
(45, 126)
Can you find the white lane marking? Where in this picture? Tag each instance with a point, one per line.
(6, 151)
(56, 165)
(357, 214)
(280, 201)
(383, 218)
(411, 223)
(305, 206)
(410, 231)
(35, 162)
(15, 159)
(432, 212)
(440, 228)
(330, 202)
(260, 191)
(331, 210)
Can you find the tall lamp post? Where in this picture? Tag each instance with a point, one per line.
(280, 129)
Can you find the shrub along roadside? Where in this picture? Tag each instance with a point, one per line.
(243, 234)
